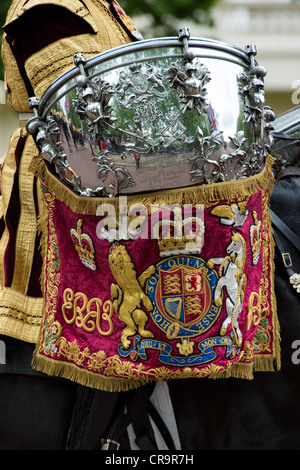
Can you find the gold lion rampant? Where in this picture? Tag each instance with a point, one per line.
(127, 295)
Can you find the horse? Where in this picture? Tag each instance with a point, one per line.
(45, 413)
(233, 279)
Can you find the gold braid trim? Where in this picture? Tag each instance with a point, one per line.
(7, 181)
(108, 34)
(262, 361)
(17, 96)
(26, 231)
(49, 63)
(18, 7)
(20, 315)
(208, 193)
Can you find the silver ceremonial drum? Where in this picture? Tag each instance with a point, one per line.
(154, 115)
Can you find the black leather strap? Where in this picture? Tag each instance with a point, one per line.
(285, 230)
(290, 236)
(139, 410)
(139, 418)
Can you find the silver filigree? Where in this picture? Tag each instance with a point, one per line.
(188, 78)
(139, 83)
(295, 281)
(269, 118)
(251, 89)
(212, 163)
(204, 168)
(92, 105)
(48, 139)
(140, 89)
(156, 115)
(122, 178)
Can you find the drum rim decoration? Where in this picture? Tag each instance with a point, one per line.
(241, 56)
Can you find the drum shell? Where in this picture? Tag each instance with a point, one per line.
(149, 116)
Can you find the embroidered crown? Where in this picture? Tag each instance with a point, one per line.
(179, 235)
(84, 246)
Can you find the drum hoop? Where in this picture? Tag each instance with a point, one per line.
(236, 55)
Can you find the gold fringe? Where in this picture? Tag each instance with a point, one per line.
(84, 377)
(276, 324)
(87, 378)
(238, 370)
(189, 195)
(265, 364)
(114, 384)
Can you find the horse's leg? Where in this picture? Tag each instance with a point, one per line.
(228, 306)
(236, 323)
(218, 291)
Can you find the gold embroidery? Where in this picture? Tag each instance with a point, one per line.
(84, 246)
(233, 214)
(172, 284)
(193, 305)
(172, 330)
(266, 342)
(78, 304)
(186, 348)
(115, 373)
(184, 238)
(174, 300)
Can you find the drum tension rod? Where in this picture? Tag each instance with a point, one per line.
(80, 62)
(184, 36)
(255, 69)
(34, 123)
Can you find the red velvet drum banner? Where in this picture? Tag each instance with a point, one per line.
(159, 286)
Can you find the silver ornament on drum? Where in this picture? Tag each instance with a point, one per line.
(154, 115)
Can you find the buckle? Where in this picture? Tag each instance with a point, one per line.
(108, 444)
(287, 261)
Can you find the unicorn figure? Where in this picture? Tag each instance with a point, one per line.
(233, 279)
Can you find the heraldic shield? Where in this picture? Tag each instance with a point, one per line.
(184, 294)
